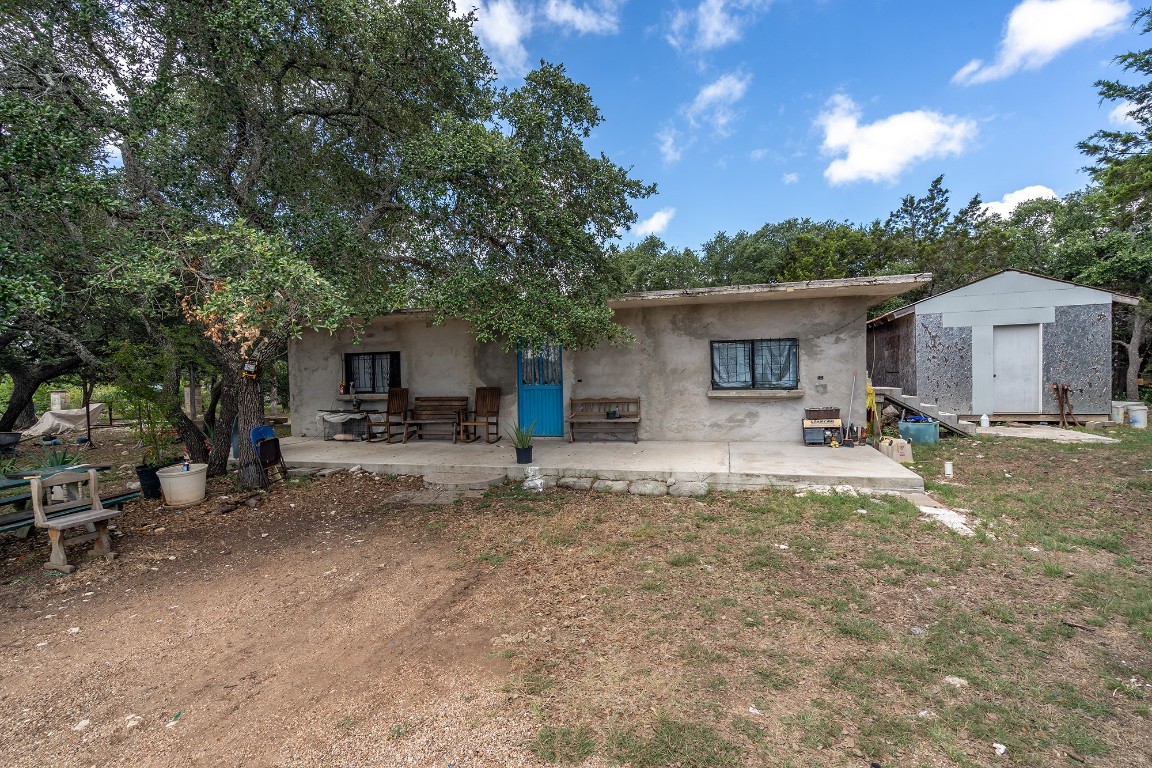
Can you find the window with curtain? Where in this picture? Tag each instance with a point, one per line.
(372, 371)
(756, 364)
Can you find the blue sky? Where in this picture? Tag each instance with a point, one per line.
(745, 112)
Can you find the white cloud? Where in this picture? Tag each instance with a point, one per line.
(670, 148)
(1039, 30)
(759, 154)
(790, 178)
(713, 23)
(501, 26)
(1008, 203)
(656, 223)
(1121, 116)
(599, 18)
(880, 151)
(714, 103)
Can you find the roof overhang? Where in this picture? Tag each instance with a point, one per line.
(875, 289)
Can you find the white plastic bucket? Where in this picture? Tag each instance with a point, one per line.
(183, 489)
(1138, 416)
(1118, 411)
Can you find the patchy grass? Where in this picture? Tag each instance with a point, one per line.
(775, 629)
(563, 745)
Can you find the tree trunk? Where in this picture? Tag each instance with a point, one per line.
(15, 415)
(1135, 358)
(250, 413)
(223, 406)
(21, 413)
(27, 417)
(213, 403)
(190, 435)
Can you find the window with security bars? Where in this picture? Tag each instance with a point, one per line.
(372, 371)
(756, 364)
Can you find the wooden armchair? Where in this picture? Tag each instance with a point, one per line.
(80, 489)
(389, 426)
(486, 414)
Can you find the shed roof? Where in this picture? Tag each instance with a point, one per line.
(1117, 298)
(877, 288)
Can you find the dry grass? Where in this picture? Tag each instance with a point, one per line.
(748, 629)
(819, 630)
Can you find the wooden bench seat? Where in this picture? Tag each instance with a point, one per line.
(589, 416)
(82, 508)
(435, 412)
(21, 521)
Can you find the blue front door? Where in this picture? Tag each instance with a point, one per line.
(541, 391)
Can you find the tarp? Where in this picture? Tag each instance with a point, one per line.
(57, 422)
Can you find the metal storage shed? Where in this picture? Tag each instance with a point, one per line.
(996, 346)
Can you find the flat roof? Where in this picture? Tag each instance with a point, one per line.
(878, 287)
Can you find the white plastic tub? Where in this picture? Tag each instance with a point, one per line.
(183, 489)
(1138, 416)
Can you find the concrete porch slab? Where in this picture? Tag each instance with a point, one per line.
(1044, 432)
(723, 465)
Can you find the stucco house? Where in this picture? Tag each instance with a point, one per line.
(996, 346)
(732, 363)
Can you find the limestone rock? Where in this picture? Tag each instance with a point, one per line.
(649, 488)
(575, 483)
(689, 488)
(611, 486)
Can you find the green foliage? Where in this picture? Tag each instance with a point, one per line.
(1122, 163)
(793, 250)
(521, 437)
(58, 456)
(651, 265)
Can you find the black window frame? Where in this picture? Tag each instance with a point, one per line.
(373, 387)
(753, 384)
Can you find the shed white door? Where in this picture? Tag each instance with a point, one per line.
(1016, 368)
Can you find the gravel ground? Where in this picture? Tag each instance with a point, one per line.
(324, 627)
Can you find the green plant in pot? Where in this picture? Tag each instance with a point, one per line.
(143, 399)
(155, 447)
(521, 438)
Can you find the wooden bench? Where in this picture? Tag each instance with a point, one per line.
(21, 521)
(83, 508)
(435, 411)
(589, 416)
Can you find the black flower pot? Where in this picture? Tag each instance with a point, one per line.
(524, 455)
(149, 482)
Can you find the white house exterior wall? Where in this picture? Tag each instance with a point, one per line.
(668, 366)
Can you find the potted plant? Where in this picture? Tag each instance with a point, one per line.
(154, 449)
(521, 438)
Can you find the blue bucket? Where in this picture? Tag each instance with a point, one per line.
(920, 432)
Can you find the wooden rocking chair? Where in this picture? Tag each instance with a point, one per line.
(80, 489)
(486, 414)
(389, 426)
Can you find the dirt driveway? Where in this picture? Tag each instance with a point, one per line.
(285, 635)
